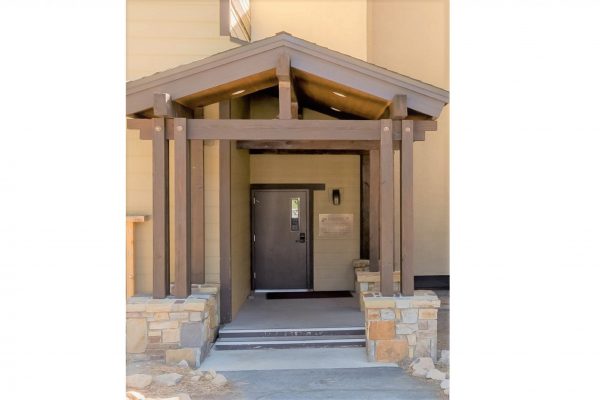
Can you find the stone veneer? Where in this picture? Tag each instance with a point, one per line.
(173, 329)
(368, 282)
(401, 326)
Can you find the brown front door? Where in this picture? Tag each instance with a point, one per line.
(280, 239)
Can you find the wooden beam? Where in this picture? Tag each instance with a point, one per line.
(398, 108)
(308, 144)
(374, 210)
(197, 206)
(160, 211)
(256, 129)
(225, 222)
(285, 91)
(183, 283)
(282, 130)
(164, 106)
(407, 278)
(364, 205)
(386, 213)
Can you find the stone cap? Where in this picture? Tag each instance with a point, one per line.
(421, 299)
(368, 276)
(360, 263)
(195, 302)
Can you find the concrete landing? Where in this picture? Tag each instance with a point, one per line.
(336, 384)
(289, 359)
(260, 313)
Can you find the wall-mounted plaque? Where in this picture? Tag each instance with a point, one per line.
(336, 225)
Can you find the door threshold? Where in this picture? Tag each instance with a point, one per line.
(282, 290)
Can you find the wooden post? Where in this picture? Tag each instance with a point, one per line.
(160, 210)
(285, 89)
(225, 220)
(183, 283)
(407, 277)
(197, 207)
(130, 252)
(364, 205)
(386, 166)
(374, 210)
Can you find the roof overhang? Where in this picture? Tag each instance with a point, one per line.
(253, 67)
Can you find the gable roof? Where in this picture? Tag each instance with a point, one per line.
(319, 72)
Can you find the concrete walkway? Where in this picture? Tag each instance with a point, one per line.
(337, 384)
(289, 359)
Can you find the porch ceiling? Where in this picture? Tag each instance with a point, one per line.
(322, 78)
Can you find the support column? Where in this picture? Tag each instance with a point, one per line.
(160, 211)
(407, 277)
(374, 210)
(386, 166)
(197, 207)
(183, 283)
(225, 220)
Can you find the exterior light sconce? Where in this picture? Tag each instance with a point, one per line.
(336, 197)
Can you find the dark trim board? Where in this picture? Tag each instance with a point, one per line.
(432, 282)
(311, 187)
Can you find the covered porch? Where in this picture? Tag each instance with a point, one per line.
(359, 109)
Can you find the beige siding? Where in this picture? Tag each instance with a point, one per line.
(416, 44)
(163, 34)
(341, 26)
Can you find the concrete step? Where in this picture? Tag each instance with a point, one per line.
(292, 332)
(289, 342)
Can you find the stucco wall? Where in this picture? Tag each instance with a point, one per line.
(411, 37)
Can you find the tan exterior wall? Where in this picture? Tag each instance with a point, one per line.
(341, 26)
(163, 34)
(411, 37)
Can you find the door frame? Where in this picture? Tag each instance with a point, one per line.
(311, 187)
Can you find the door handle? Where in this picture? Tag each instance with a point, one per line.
(302, 238)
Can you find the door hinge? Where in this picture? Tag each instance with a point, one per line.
(254, 238)
(253, 200)
(255, 275)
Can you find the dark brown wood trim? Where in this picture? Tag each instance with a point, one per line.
(225, 221)
(374, 210)
(285, 90)
(310, 186)
(283, 130)
(164, 106)
(197, 210)
(224, 18)
(406, 206)
(386, 213)
(398, 107)
(358, 145)
(183, 283)
(364, 205)
(160, 211)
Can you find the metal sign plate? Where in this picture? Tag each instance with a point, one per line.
(336, 225)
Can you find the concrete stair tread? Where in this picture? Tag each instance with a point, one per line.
(289, 338)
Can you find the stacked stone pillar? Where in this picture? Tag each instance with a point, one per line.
(401, 326)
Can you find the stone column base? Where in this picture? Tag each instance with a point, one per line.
(398, 327)
(173, 329)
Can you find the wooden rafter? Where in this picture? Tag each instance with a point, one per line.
(164, 106)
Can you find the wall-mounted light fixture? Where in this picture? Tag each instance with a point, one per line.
(336, 197)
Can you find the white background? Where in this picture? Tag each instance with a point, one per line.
(525, 225)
